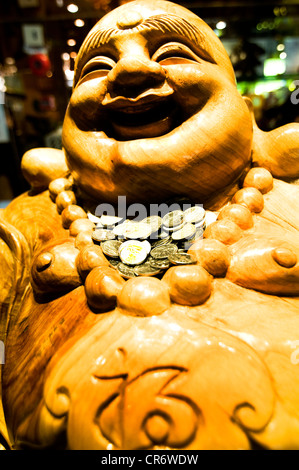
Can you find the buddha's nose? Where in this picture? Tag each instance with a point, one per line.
(133, 75)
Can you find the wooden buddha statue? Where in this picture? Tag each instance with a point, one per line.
(191, 348)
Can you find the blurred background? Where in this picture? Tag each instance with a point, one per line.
(39, 41)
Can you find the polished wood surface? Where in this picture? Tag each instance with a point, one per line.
(202, 356)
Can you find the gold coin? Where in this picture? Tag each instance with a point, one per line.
(119, 229)
(125, 271)
(147, 245)
(114, 262)
(110, 220)
(94, 218)
(185, 233)
(132, 252)
(155, 222)
(164, 251)
(146, 269)
(167, 230)
(100, 235)
(173, 219)
(181, 258)
(111, 248)
(194, 214)
(137, 231)
(163, 241)
(160, 263)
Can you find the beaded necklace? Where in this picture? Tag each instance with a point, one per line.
(206, 256)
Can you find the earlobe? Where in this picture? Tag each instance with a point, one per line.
(276, 150)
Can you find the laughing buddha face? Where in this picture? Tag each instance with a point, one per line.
(155, 111)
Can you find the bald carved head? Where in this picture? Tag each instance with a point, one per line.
(155, 111)
(161, 17)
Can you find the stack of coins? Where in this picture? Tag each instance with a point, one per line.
(195, 215)
(150, 246)
(173, 221)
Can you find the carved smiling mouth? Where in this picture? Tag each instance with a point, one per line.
(151, 114)
(150, 121)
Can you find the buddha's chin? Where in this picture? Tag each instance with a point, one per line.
(157, 160)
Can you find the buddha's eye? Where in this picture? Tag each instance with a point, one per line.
(174, 52)
(99, 64)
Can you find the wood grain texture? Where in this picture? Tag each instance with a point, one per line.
(203, 356)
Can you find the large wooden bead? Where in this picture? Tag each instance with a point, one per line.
(144, 296)
(58, 185)
(72, 213)
(226, 231)
(249, 197)
(259, 178)
(102, 286)
(212, 255)
(64, 199)
(81, 225)
(189, 285)
(90, 257)
(239, 214)
(83, 239)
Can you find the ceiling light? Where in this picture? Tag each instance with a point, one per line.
(72, 8)
(79, 23)
(268, 86)
(65, 56)
(221, 25)
(273, 67)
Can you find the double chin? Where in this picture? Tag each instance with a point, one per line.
(199, 157)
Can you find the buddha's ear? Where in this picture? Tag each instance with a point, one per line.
(276, 150)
